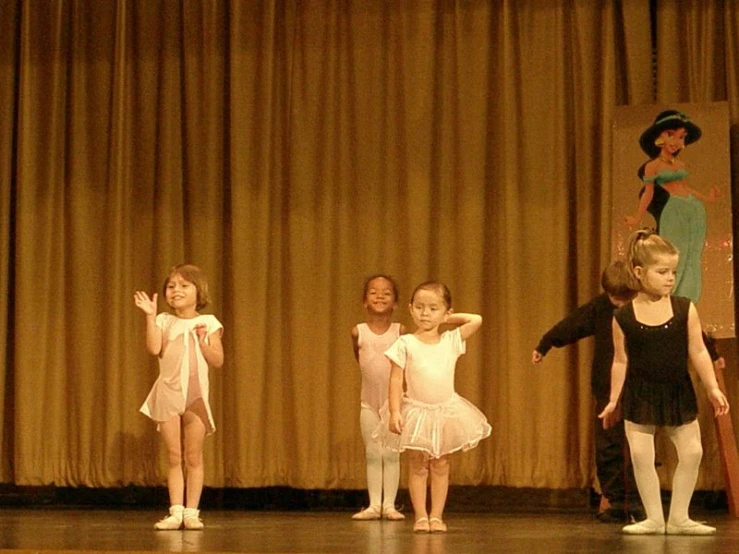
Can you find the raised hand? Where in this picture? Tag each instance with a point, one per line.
(147, 305)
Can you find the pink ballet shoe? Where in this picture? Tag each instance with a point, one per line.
(173, 521)
(690, 527)
(393, 515)
(436, 525)
(191, 519)
(646, 527)
(367, 514)
(421, 525)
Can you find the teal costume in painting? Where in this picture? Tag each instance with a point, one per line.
(682, 221)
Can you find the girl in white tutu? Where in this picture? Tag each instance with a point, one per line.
(430, 420)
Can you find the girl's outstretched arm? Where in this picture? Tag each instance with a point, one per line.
(702, 363)
(153, 333)
(618, 375)
(468, 323)
(395, 395)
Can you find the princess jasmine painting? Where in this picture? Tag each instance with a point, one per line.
(682, 190)
(678, 209)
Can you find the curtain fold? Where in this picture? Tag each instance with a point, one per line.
(9, 47)
(291, 149)
(691, 50)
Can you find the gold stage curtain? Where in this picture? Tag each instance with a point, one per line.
(696, 55)
(292, 148)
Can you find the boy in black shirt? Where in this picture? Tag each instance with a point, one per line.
(620, 498)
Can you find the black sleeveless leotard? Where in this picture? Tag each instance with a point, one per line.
(658, 389)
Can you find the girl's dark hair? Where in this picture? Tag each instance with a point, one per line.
(436, 286)
(668, 120)
(194, 275)
(371, 278)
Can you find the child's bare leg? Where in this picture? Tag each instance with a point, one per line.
(439, 490)
(170, 431)
(417, 482)
(194, 438)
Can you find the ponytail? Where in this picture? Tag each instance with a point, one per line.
(643, 248)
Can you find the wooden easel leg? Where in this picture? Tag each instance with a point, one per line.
(728, 451)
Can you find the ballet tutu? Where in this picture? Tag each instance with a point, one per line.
(436, 429)
(670, 403)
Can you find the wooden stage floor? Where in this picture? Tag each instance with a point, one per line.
(80, 530)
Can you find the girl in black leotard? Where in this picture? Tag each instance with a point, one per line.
(654, 336)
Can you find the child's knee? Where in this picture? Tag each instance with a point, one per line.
(642, 463)
(692, 454)
(174, 458)
(440, 466)
(194, 459)
(390, 457)
(373, 455)
(418, 466)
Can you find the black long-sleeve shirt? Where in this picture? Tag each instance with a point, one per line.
(595, 319)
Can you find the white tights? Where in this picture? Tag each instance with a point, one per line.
(383, 465)
(687, 441)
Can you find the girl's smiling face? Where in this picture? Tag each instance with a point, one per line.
(181, 295)
(380, 297)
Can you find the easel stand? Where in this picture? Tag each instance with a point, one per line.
(728, 451)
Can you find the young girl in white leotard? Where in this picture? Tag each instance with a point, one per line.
(429, 419)
(370, 339)
(186, 343)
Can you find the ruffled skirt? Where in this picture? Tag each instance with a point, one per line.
(669, 403)
(436, 429)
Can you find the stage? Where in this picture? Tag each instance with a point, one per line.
(81, 530)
